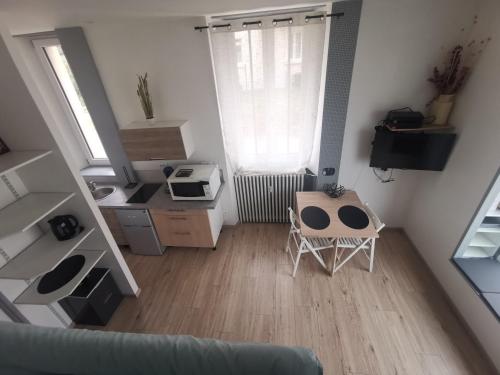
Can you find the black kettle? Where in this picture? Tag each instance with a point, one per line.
(65, 227)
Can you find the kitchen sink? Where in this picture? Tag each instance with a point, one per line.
(103, 192)
(61, 275)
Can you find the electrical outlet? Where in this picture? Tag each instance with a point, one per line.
(328, 171)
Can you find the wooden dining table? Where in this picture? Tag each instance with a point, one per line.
(332, 207)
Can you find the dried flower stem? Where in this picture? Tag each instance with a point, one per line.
(456, 71)
(144, 97)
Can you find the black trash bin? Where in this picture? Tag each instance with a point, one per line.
(95, 300)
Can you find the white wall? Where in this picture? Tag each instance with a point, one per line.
(444, 203)
(76, 156)
(390, 71)
(397, 46)
(177, 60)
(398, 43)
(4, 317)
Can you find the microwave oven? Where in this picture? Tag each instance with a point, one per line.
(194, 182)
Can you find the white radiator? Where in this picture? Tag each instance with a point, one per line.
(266, 198)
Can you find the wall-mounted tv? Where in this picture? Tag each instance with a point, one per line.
(401, 150)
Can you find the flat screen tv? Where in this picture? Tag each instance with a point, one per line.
(422, 151)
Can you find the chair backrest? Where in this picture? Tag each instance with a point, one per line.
(293, 219)
(374, 218)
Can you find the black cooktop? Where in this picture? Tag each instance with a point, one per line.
(144, 193)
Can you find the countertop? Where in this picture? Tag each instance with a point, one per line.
(160, 200)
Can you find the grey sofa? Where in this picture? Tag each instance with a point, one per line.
(26, 349)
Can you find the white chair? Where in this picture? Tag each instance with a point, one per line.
(305, 244)
(354, 245)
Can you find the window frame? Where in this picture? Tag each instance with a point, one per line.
(40, 45)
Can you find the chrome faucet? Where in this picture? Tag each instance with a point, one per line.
(92, 186)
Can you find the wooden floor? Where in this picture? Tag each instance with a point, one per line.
(392, 321)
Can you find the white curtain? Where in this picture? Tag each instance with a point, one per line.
(268, 83)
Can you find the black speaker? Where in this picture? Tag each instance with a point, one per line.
(404, 118)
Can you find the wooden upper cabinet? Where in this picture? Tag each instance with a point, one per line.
(162, 140)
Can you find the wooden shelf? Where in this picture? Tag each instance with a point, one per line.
(31, 296)
(41, 257)
(16, 159)
(481, 240)
(421, 129)
(22, 214)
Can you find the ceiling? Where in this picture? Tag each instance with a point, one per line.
(145, 7)
(25, 16)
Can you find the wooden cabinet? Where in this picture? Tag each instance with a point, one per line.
(188, 228)
(162, 140)
(114, 225)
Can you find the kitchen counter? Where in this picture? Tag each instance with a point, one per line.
(160, 200)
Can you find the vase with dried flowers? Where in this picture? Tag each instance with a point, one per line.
(450, 80)
(145, 97)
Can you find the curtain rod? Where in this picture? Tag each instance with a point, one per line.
(264, 13)
(275, 21)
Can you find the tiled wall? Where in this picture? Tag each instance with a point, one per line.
(341, 50)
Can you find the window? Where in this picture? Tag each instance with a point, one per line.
(62, 78)
(296, 46)
(268, 84)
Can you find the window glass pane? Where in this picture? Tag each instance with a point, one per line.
(75, 100)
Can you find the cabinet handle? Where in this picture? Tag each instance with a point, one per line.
(156, 158)
(177, 218)
(182, 233)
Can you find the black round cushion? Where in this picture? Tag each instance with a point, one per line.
(61, 275)
(353, 217)
(315, 217)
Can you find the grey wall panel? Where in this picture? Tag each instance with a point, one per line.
(79, 56)
(341, 51)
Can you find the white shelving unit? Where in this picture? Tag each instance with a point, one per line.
(481, 240)
(42, 256)
(46, 253)
(494, 213)
(22, 214)
(489, 229)
(13, 160)
(36, 171)
(475, 252)
(484, 240)
(31, 296)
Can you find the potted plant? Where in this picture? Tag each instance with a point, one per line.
(450, 80)
(145, 97)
